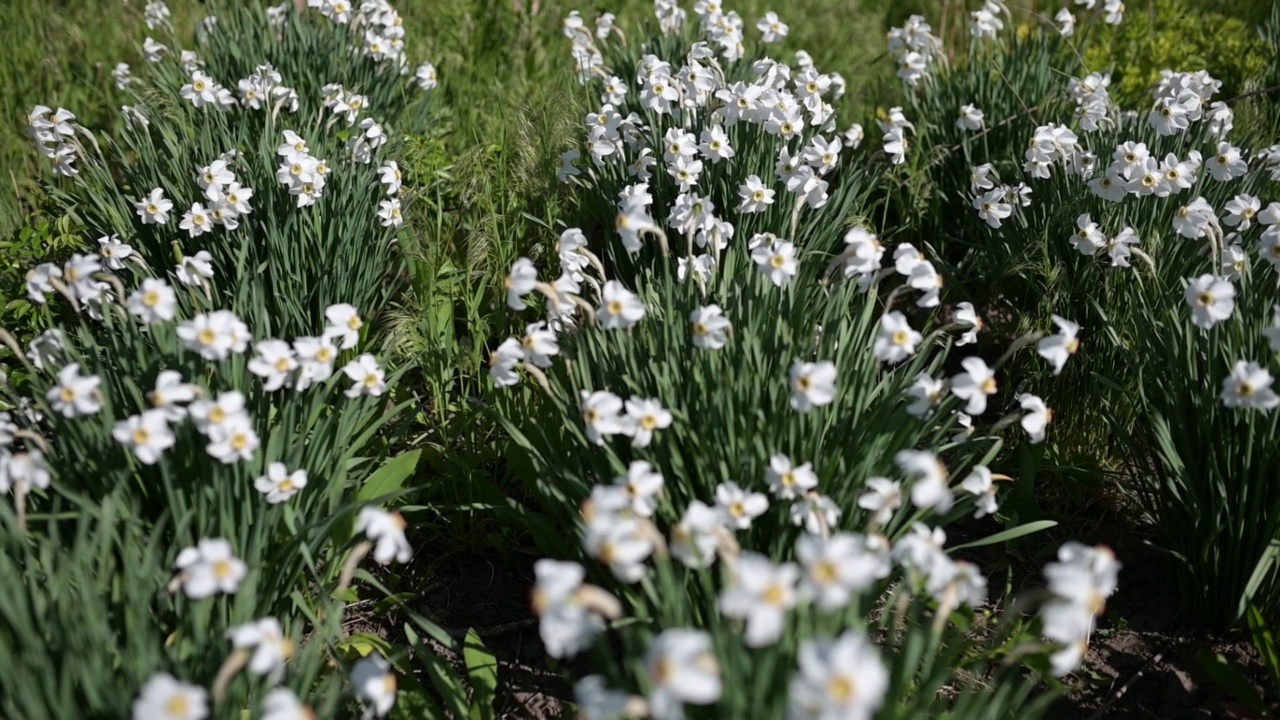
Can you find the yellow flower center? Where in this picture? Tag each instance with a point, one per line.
(777, 261)
(803, 383)
(178, 706)
(207, 336)
(199, 86)
(900, 337)
(825, 572)
(152, 209)
(324, 355)
(222, 569)
(286, 485)
(737, 508)
(648, 422)
(775, 594)
(842, 689)
(283, 365)
(67, 395)
(989, 386)
(239, 441)
(615, 307)
(1245, 389)
(371, 380)
(700, 329)
(758, 196)
(1204, 299)
(217, 415)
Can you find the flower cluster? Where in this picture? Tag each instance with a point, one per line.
(303, 174)
(51, 131)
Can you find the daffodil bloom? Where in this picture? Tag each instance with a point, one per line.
(75, 395)
(565, 624)
(195, 268)
(929, 488)
(1194, 219)
(154, 301)
(882, 498)
(644, 416)
(1057, 348)
(37, 280)
(596, 701)
(812, 384)
(1118, 247)
(842, 678)
(113, 252)
(166, 698)
(374, 683)
(520, 282)
(389, 212)
(196, 221)
(896, 341)
(641, 485)
(24, 471)
(710, 327)
(426, 77)
(282, 703)
(278, 485)
(863, 254)
(208, 414)
(503, 362)
(787, 481)
(367, 375)
(619, 308)
(817, 513)
(170, 390)
(761, 594)
(694, 538)
(682, 668)
(738, 507)
(1228, 164)
(147, 435)
(539, 345)
(386, 529)
(1212, 300)
(274, 363)
(233, 440)
(619, 542)
(271, 648)
(209, 568)
(1088, 239)
(980, 484)
(1036, 419)
(974, 385)
(992, 208)
(47, 349)
(1080, 581)
(1272, 331)
(78, 274)
(971, 118)
(926, 394)
(1249, 386)
(838, 566)
(756, 197)
(316, 356)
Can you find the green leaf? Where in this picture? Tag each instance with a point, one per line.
(1231, 681)
(482, 669)
(1265, 642)
(1011, 534)
(390, 477)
